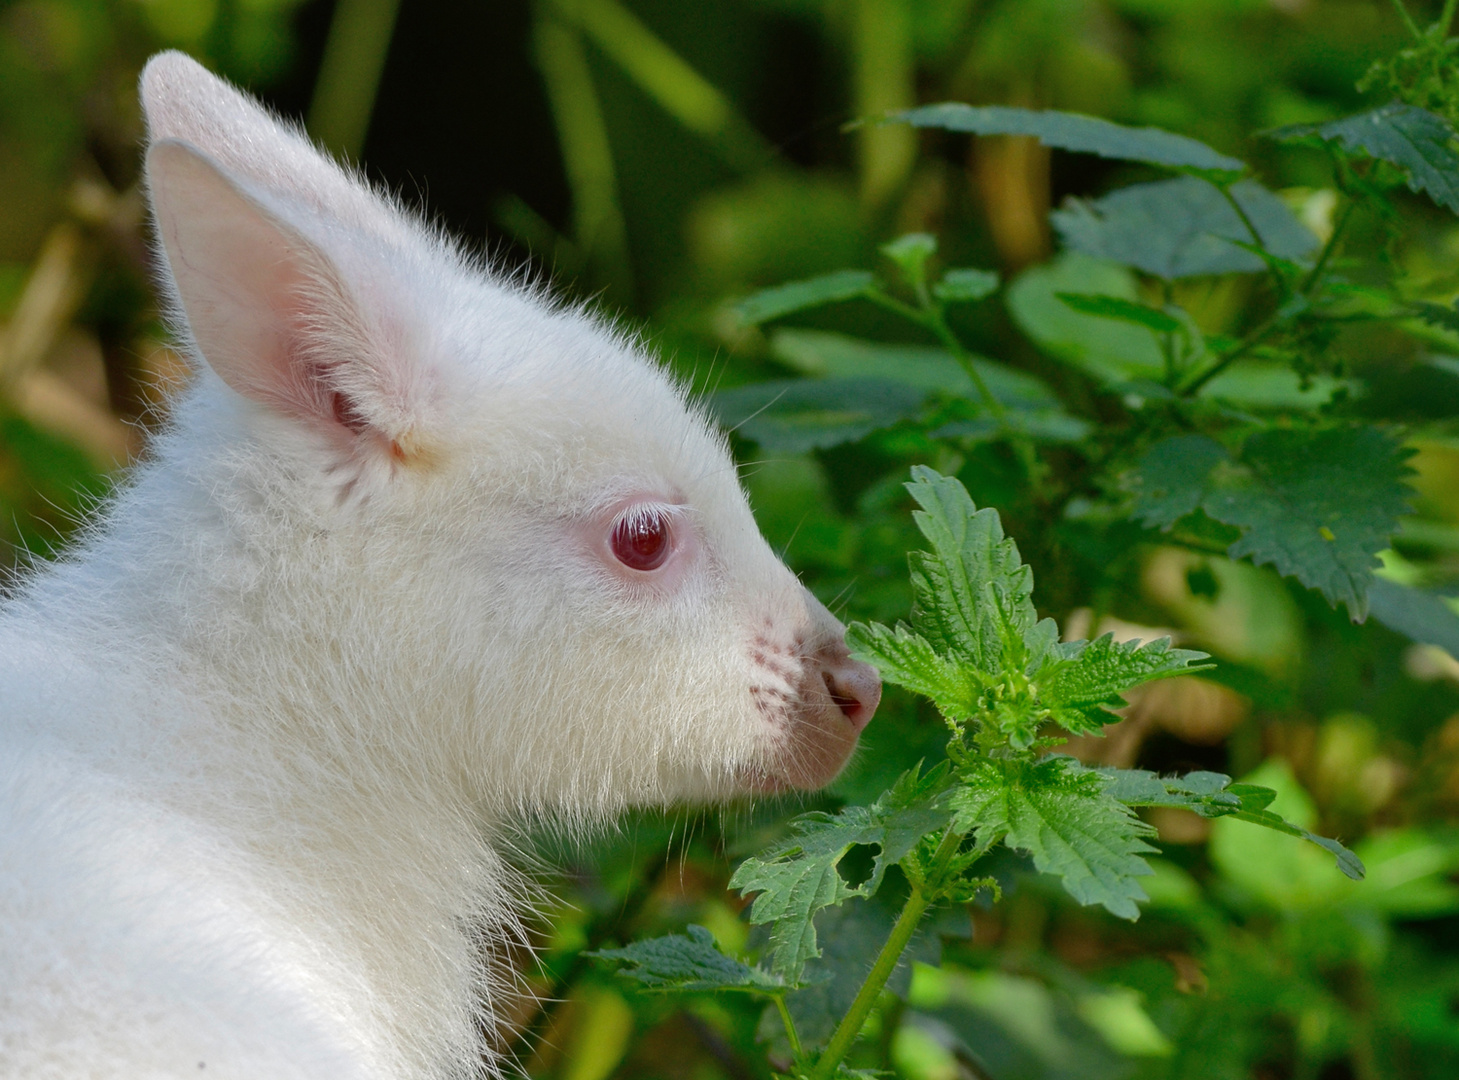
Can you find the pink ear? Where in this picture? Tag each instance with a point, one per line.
(267, 309)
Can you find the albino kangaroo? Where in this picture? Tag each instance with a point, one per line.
(419, 556)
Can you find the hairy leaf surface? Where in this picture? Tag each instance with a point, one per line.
(1066, 821)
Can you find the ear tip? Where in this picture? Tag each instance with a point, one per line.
(167, 74)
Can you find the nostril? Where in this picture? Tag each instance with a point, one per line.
(856, 690)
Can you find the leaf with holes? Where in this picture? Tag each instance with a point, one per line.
(798, 876)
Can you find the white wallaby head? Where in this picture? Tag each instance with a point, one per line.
(474, 534)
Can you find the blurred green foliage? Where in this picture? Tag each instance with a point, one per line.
(675, 158)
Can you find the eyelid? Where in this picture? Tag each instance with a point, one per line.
(672, 513)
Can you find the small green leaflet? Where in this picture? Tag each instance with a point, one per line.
(1414, 139)
(1113, 307)
(975, 633)
(1066, 821)
(797, 295)
(1317, 504)
(1079, 684)
(1183, 227)
(909, 660)
(1086, 134)
(797, 877)
(972, 589)
(1213, 795)
(965, 285)
(679, 963)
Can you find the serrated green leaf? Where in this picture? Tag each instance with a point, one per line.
(972, 589)
(684, 963)
(1079, 690)
(963, 286)
(1213, 795)
(1172, 478)
(1066, 821)
(1114, 307)
(1417, 141)
(1347, 861)
(798, 876)
(1183, 227)
(909, 660)
(792, 416)
(1318, 505)
(782, 300)
(1084, 134)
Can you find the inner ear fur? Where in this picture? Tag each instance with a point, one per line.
(266, 307)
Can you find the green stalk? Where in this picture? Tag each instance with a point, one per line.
(790, 1033)
(1408, 20)
(851, 1024)
(1446, 18)
(886, 962)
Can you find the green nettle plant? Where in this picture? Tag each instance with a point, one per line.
(1242, 441)
(998, 675)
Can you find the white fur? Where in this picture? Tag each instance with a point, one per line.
(268, 727)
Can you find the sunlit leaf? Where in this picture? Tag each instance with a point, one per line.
(1081, 688)
(1066, 821)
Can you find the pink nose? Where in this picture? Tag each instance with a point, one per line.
(854, 687)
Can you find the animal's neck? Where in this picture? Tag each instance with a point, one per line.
(223, 693)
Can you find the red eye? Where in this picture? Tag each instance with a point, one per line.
(641, 539)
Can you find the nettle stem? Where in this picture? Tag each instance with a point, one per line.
(916, 906)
